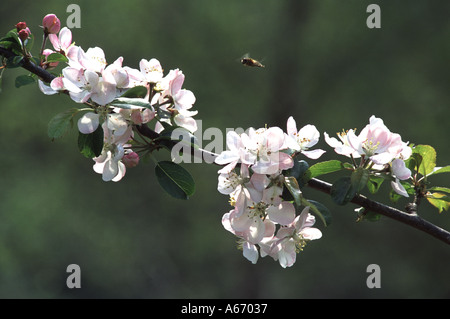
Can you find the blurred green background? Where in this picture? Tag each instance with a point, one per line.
(323, 66)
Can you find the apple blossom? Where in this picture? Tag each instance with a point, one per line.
(62, 42)
(377, 142)
(262, 148)
(291, 239)
(304, 139)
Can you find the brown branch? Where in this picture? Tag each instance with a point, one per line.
(30, 66)
(412, 219)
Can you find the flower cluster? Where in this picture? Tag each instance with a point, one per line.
(252, 176)
(90, 80)
(378, 148)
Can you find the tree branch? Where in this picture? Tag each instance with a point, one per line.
(30, 66)
(412, 219)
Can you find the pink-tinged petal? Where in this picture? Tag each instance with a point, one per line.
(291, 126)
(184, 99)
(187, 122)
(250, 252)
(332, 141)
(47, 90)
(272, 195)
(275, 139)
(269, 229)
(177, 82)
(120, 173)
(287, 255)
(314, 154)
(88, 123)
(74, 75)
(355, 141)
(226, 157)
(54, 41)
(233, 141)
(311, 233)
(259, 181)
(382, 158)
(285, 161)
(266, 167)
(400, 170)
(65, 38)
(398, 188)
(110, 170)
(256, 231)
(283, 214)
(57, 84)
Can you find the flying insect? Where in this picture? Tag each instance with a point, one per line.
(246, 60)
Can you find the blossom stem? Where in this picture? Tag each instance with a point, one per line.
(410, 219)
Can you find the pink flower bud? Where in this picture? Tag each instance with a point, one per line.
(51, 24)
(20, 26)
(131, 159)
(24, 33)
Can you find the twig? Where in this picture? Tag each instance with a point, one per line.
(412, 219)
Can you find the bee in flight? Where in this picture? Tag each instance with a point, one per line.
(246, 60)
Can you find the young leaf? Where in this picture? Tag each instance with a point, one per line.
(135, 92)
(60, 123)
(297, 171)
(359, 179)
(91, 145)
(14, 62)
(374, 184)
(440, 201)
(440, 189)
(57, 57)
(321, 211)
(342, 191)
(322, 168)
(293, 187)
(428, 155)
(175, 180)
(130, 103)
(22, 80)
(439, 170)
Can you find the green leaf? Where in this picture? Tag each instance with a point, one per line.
(14, 62)
(29, 42)
(428, 154)
(175, 180)
(374, 183)
(135, 92)
(293, 187)
(342, 191)
(440, 201)
(57, 57)
(13, 34)
(440, 189)
(359, 179)
(91, 145)
(130, 103)
(22, 80)
(173, 135)
(61, 122)
(321, 211)
(322, 168)
(440, 170)
(363, 214)
(297, 171)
